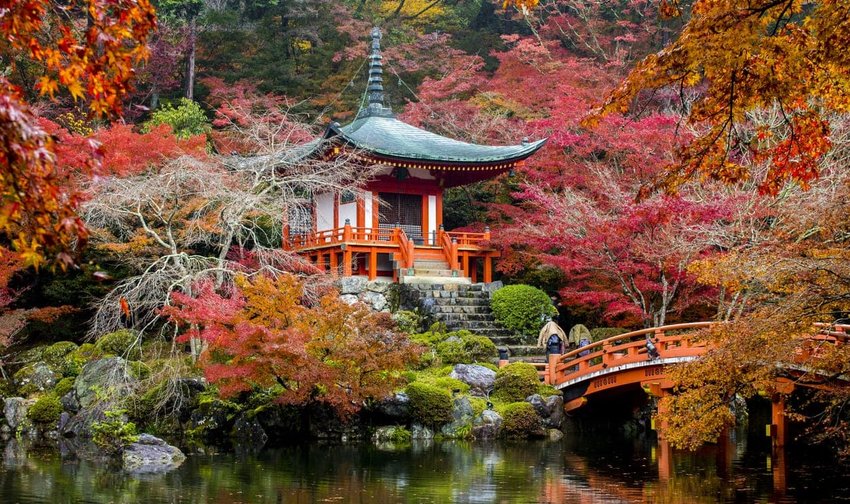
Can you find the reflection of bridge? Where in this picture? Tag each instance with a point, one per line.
(628, 361)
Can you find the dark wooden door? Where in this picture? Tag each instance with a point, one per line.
(404, 210)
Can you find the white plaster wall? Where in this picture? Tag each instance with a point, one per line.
(348, 211)
(367, 201)
(432, 219)
(324, 211)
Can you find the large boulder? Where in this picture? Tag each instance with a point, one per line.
(420, 432)
(36, 377)
(248, 435)
(550, 409)
(150, 454)
(462, 415)
(352, 285)
(487, 425)
(377, 301)
(101, 379)
(15, 410)
(379, 286)
(479, 378)
(396, 407)
(391, 434)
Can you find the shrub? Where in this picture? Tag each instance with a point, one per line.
(521, 308)
(521, 421)
(601, 333)
(408, 321)
(122, 342)
(64, 386)
(515, 382)
(186, 119)
(46, 410)
(429, 404)
(463, 347)
(115, 432)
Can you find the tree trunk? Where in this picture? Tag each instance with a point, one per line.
(190, 70)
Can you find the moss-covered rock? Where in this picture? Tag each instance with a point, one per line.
(429, 404)
(515, 382)
(73, 362)
(64, 386)
(123, 343)
(46, 410)
(36, 377)
(392, 434)
(520, 420)
(55, 354)
(463, 347)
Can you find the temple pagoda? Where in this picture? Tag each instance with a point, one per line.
(395, 227)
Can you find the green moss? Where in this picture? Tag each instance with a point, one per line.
(515, 382)
(115, 432)
(463, 347)
(64, 386)
(24, 378)
(73, 363)
(400, 435)
(123, 343)
(521, 421)
(521, 308)
(478, 405)
(547, 390)
(46, 410)
(451, 384)
(138, 370)
(407, 321)
(55, 354)
(429, 404)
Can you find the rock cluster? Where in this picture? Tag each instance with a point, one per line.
(373, 293)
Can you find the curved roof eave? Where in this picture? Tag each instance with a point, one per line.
(391, 138)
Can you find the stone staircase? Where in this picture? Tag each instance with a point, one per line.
(432, 270)
(466, 306)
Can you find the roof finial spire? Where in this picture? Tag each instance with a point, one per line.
(376, 81)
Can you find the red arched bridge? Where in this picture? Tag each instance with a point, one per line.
(628, 360)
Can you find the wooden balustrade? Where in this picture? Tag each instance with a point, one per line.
(449, 246)
(465, 239)
(407, 248)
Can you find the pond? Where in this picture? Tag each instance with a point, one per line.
(580, 468)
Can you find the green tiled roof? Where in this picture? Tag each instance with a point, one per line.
(387, 136)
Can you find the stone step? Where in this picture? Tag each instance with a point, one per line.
(469, 317)
(429, 272)
(526, 351)
(423, 283)
(440, 309)
(425, 286)
(430, 263)
(459, 301)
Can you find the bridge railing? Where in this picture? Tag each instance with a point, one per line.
(623, 349)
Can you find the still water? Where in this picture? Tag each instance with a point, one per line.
(581, 468)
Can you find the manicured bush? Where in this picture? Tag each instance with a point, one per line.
(515, 382)
(463, 347)
(601, 333)
(46, 410)
(521, 308)
(64, 386)
(521, 421)
(429, 404)
(122, 343)
(451, 385)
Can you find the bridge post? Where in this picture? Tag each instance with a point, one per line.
(778, 421)
(551, 368)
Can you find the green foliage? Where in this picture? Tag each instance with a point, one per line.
(515, 382)
(478, 405)
(521, 308)
(114, 433)
(46, 410)
(122, 343)
(408, 321)
(547, 390)
(400, 435)
(601, 333)
(54, 355)
(138, 370)
(64, 386)
(463, 347)
(451, 384)
(521, 421)
(186, 120)
(429, 404)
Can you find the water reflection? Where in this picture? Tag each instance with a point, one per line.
(582, 468)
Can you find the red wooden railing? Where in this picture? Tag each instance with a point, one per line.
(407, 248)
(340, 235)
(449, 247)
(465, 239)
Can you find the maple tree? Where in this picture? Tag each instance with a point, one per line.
(92, 58)
(262, 334)
(742, 57)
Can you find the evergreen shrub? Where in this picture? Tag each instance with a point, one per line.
(520, 420)
(515, 382)
(429, 404)
(187, 119)
(521, 308)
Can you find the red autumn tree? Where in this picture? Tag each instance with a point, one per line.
(263, 335)
(88, 48)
